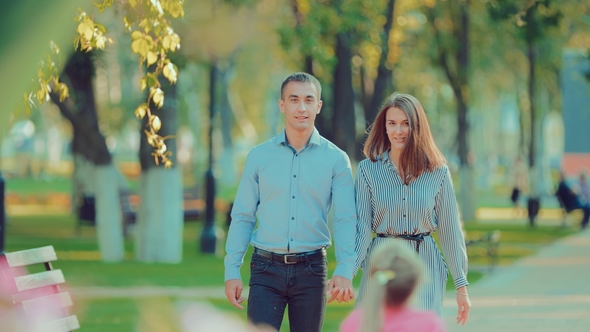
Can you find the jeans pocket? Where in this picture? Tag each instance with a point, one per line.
(258, 265)
(318, 267)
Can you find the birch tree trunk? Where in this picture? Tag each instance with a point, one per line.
(90, 149)
(160, 217)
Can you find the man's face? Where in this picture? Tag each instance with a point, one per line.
(300, 104)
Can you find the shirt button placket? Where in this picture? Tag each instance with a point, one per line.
(405, 199)
(293, 201)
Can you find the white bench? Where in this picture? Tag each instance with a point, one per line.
(38, 294)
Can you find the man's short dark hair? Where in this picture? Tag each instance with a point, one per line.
(303, 78)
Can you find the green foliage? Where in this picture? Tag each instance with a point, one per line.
(310, 27)
(533, 19)
(149, 23)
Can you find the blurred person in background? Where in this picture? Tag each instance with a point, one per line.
(404, 192)
(395, 273)
(289, 184)
(519, 180)
(569, 200)
(583, 189)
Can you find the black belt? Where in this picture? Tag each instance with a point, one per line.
(291, 258)
(419, 238)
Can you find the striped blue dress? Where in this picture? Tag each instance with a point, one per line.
(385, 205)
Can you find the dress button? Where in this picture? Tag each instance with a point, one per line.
(293, 197)
(293, 218)
(294, 176)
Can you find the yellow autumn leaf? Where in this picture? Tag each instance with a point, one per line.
(101, 42)
(175, 9)
(152, 57)
(158, 97)
(152, 80)
(86, 29)
(136, 34)
(64, 91)
(143, 83)
(171, 42)
(141, 111)
(150, 137)
(142, 45)
(145, 25)
(100, 27)
(170, 71)
(41, 95)
(156, 123)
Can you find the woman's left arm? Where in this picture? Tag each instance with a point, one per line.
(452, 241)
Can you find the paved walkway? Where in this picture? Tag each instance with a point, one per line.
(549, 291)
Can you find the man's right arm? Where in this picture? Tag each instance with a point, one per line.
(243, 220)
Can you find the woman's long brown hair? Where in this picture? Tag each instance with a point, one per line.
(420, 153)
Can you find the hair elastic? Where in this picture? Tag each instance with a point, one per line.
(384, 276)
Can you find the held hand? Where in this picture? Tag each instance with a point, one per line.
(233, 292)
(464, 305)
(340, 289)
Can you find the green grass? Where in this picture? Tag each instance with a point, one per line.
(26, 186)
(200, 270)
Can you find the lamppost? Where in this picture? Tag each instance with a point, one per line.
(208, 236)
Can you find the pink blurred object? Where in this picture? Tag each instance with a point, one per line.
(33, 302)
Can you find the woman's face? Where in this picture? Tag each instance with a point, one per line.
(397, 127)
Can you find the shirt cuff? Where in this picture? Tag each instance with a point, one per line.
(232, 274)
(343, 271)
(460, 282)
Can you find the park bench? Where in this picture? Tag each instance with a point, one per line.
(489, 242)
(193, 208)
(37, 296)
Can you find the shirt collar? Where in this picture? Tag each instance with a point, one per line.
(384, 157)
(314, 139)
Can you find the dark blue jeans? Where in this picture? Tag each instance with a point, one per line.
(300, 287)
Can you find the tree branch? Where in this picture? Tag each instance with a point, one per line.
(66, 107)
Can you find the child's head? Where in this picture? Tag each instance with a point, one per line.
(395, 272)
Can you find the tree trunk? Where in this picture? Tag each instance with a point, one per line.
(160, 217)
(459, 81)
(89, 148)
(228, 166)
(384, 82)
(532, 142)
(343, 115)
(535, 173)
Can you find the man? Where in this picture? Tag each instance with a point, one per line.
(289, 184)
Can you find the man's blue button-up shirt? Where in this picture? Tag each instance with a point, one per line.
(290, 194)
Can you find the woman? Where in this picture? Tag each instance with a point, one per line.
(404, 193)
